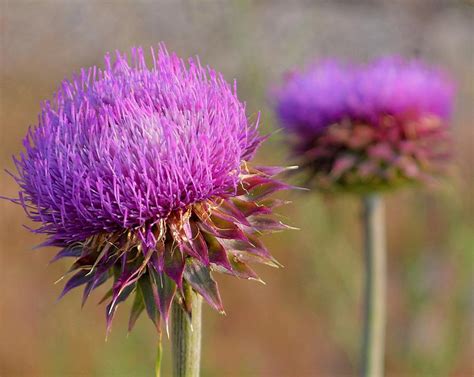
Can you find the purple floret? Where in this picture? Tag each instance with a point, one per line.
(126, 145)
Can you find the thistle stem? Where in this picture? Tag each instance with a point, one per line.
(375, 286)
(159, 355)
(186, 336)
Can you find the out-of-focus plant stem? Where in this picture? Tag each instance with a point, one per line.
(375, 286)
(186, 336)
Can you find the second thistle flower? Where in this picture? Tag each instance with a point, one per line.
(367, 128)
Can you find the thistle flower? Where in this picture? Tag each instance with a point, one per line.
(367, 128)
(140, 174)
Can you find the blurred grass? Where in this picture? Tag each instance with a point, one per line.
(306, 320)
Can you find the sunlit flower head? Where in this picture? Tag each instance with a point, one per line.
(364, 128)
(140, 174)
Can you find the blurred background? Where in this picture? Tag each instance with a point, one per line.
(307, 320)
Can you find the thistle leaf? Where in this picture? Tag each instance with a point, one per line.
(273, 170)
(248, 257)
(166, 290)
(102, 255)
(261, 191)
(249, 208)
(218, 227)
(81, 277)
(242, 270)
(217, 253)
(267, 224)
(227, 211)
(174, 265)
(98, 279)
(199, 277)
(252, 246)
(137, 309)
(252, 181)
(112, 306)
(158, 257)
(74, 250)
(150, 299)
(84, 262)
(198, 242)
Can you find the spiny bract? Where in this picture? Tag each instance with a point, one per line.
(141, 175)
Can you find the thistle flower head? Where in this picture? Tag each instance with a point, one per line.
(141, 175)
(367, 128)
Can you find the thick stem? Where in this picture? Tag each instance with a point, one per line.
(186, 336)
(375, 287)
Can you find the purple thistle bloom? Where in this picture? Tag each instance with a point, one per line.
(311, 100)
(140, 174)
(368, 127)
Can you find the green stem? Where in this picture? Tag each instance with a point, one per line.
(159, 355)
(375, 287)
(186, 336)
